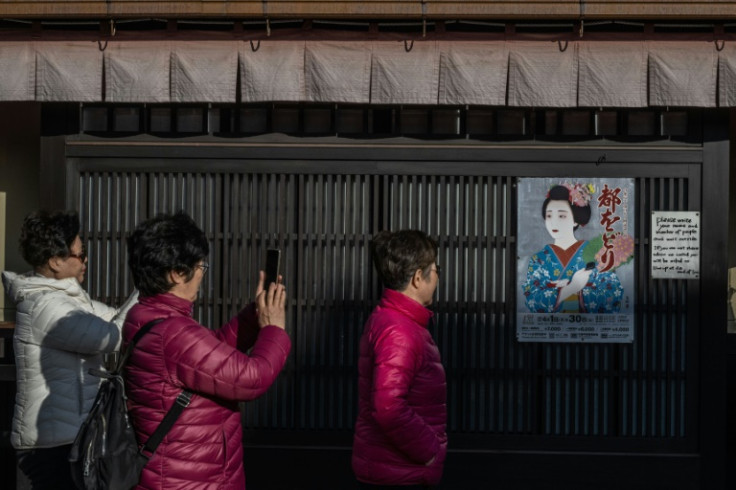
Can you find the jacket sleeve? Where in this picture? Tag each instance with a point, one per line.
(198, 360)
(60, 323)
(242, 330)
(398, 355)
(115, 315)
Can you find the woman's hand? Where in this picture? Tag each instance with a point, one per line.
(271, 303)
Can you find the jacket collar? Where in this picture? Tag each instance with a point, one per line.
(407, 306)
(170, 302)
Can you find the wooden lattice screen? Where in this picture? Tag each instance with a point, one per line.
(323, 223)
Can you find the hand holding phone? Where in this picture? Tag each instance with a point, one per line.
(271, 301)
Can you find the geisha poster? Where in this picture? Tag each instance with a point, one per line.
(575, 280)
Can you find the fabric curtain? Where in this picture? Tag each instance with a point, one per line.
(612, 74)
(473, 73)
(17, 71)
(405, 72)
(272, 71)
(543, 74)
(138, 72)
(336, 72)
(517, 73)
(682, 74)
(68, 71)
(727, 76)
(204, 72)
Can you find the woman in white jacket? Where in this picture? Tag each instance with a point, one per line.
(60, 334)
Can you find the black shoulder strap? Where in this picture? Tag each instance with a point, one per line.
(181, 402)
(129, 350)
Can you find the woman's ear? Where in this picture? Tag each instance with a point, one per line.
(55, 264)
(416, 279)
(177, 278)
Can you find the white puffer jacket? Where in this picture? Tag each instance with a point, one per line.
(60, 333)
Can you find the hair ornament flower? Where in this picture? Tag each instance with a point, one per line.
(580, 194)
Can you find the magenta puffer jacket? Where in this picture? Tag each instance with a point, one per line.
(400, 436)
(204, 448)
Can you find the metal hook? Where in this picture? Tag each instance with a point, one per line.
(582, 27)
(256, 47)
(268, 27)
(559, 45)
(408, 47)
(723, 44)
(424, 18)
(113, 30)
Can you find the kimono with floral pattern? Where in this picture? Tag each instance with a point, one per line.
(601, 294)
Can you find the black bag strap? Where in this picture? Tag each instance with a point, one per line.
(129, 350)
(181, 402)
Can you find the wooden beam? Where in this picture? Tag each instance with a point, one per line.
(376, 9)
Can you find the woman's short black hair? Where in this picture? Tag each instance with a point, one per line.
(47, 234)
(398, 255)
(580, 214)
(161, 245)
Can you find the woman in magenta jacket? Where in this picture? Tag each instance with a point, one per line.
(400, 438)
(204, 448)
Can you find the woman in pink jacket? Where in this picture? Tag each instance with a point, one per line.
(400, 439)
(204, 448)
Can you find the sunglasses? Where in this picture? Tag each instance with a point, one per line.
(80, 256)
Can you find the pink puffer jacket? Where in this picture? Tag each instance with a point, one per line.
(402, 397)
(204, 448)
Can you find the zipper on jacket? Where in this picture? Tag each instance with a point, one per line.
(80, 398)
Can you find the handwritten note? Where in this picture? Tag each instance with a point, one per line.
(675, 244)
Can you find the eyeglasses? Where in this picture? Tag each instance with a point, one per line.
(204, 266)
(82, 256)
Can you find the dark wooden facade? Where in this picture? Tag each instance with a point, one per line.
(318, 181)
(522, 415)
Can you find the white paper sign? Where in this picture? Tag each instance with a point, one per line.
(675, 244)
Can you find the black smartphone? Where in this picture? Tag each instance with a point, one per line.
(590, 266)
(273, 261)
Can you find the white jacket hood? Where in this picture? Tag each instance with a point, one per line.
(20, 286)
